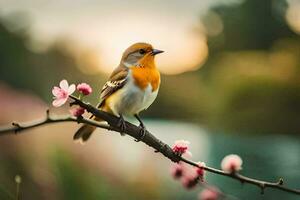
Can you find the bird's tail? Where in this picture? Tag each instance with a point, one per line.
(86, 130)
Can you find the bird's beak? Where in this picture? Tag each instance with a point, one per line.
(156, 51)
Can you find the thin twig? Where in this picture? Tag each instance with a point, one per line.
(244, 179)
(149, 139)
(18, 128)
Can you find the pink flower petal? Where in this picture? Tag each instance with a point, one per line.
(78, 111)
(189, 182)
(187, 154)
(84, 88)
(64, 85)
(200, 171)
(210, 193)
(59, 102)
(180, 146)
(231, 163)
(56, 91)
(71, 89)
(176, 170)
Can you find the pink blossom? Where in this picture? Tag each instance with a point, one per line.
(61, 94)
(200, 171)
(210, 193)
(180, 146)
(231, 163)
(190, 177)
(76, 112)
(189, 182)
(177, 170)
(84, 88)
(187, 154)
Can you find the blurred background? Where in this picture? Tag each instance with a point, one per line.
(230, 84)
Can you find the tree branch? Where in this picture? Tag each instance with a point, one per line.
(149, 139)
(17, 128)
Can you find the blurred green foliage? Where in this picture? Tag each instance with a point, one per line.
(79, 182)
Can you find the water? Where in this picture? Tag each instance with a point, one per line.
(266, 157)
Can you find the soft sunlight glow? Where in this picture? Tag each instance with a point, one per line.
(98, 45)
(183, 50)
(293, 15)
(97, 35)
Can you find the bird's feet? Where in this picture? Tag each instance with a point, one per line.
(142, 132)
(122, 125)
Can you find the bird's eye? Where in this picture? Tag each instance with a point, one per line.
(142, 51)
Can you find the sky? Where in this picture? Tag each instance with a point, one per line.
(98, 31)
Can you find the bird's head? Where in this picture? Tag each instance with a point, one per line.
(139, 54)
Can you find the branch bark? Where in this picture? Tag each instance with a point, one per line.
(149, 139)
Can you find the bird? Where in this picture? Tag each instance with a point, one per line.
(131, 88)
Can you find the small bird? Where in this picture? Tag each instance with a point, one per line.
(131, 88)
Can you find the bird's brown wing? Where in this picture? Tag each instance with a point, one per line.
(116, 81)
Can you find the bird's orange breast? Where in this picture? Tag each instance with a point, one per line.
(143, 76)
